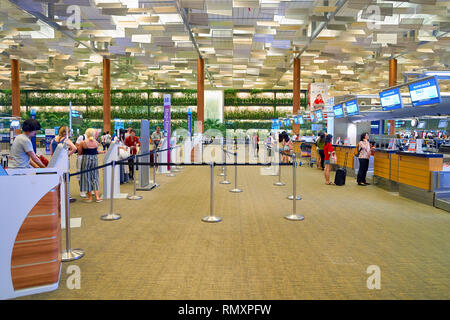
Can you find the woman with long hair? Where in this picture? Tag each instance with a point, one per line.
(364, 152)
(90, 180)
(320, 148)
(61, 138)
(328, 151)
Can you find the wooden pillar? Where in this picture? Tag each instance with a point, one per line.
(106, 95)
(15, 87)
(200, 95)
(296, 93)
(392, 82)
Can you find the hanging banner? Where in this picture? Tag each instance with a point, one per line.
(189, 122)
(317, 95)
(167, 120)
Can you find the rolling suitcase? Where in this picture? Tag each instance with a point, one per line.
(341, 173)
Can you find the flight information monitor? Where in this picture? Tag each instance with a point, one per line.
(424, 92)
(352, 108)
(391, 99)
(338, 111)
(421, 125)
(318, 115)
(442, 124)
(300, 120)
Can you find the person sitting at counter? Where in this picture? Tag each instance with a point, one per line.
(364, 152)
(22, 154)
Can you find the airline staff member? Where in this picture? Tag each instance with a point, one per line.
(22, 153)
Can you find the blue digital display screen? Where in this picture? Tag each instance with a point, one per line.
(287, 122)
(319, 115)
(442, 124)
(352, 108)
(391, 99)
(424, 92)
(338, 111)
(300, 120)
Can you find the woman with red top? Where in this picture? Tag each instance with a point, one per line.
(132, 142)
(327, 150)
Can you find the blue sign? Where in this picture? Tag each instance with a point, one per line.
(49, 136)
(300, 120)
(338, 111)
(33, 139)
(275, 125)
(119, 124)
(167, 121)
(425, 92)
(189, 122)
(352, 108)
(287, 123)
(318, 115)
(391, 99)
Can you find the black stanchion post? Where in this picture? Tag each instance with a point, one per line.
(112, 216)
(294, 216)
(212, 217)
(134, 196)
(236, 189)
(69, 254)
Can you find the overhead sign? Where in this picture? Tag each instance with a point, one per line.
(442, 124)
(424, 92)
(338, 111)
(352, 108)
(391, 99)
(317, 95)
(318, 115)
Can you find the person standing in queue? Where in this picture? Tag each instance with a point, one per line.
(132, 142)
(320, 148)
(22, 154)
(89, 181)
(61, 138)
(328, 150)
(364, 152)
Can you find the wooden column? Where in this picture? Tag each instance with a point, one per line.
(392, 82)
(296, 93)
(15, 87)
(106, 95)
(200, 95)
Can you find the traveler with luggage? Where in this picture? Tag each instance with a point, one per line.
(328, 153)
(364, 152)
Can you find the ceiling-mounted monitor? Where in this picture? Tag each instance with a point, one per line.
(443, 124)
(351, 108)
(338, 111)
(318, 115)
(391, 99)
(424, 92)
(300, 120)
(421, 125)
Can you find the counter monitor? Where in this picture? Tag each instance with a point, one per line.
(352, 108)
(425, 92)
(391, 99)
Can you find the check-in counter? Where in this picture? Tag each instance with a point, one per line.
(344, 156)
(408, 172)
(30, 231)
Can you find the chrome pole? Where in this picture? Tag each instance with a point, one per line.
(224, 181)
(111, 216)
(294, 216)
(134, 196)
(211, 217)
(236, 189)
(279, 183)
(69, 254)
(154, 170)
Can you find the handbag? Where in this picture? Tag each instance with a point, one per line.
(333, 158)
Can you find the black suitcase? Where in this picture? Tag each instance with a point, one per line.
(341, 173)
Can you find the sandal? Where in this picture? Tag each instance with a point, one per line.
(330, 184)
(98, 200)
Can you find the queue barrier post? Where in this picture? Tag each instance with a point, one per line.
(211, 217)
(225, 181)
(69, 254)
(155, 185)
(279, 183)
(235, 189)
(291, 197)
(294, 216)
(111, 216)
(134, 196)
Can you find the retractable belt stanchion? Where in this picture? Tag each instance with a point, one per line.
(69, 254)
(134, 196)
(236, 189)
(174, 168)
(279, 183)
(154, 170)
(111, 216)
(225, 181)
(212, 217)
(294, 216)
(291, 197)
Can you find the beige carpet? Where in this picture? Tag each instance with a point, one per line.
(161, 249)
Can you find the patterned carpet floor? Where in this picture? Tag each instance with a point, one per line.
(161, 249)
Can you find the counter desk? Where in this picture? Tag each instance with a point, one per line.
(345, 157)
(32, 203)
(408, 172)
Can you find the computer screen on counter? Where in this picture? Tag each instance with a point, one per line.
(425, 92)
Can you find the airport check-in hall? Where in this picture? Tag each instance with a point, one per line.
(224, 150)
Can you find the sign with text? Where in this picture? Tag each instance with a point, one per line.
(424, 92)
(167, 121)
(391, 99)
